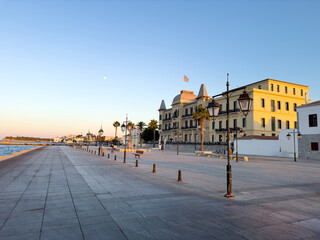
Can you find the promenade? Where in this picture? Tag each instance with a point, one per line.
(65, 193)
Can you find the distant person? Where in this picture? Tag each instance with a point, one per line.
(160, 146)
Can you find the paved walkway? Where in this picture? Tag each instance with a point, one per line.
(64, 193)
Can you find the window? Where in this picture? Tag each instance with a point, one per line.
(169, 115)
(186, 111)
(271, 87)
(262, 134)
(159, 126)
(273, 108)
(301, 92)
(186, 137)
(259, 87)
(278, 88)
(279, 105)
(226, 123)
(191, 110)
(295, 107)
(273, 124)
(262, 102)
(314, 146)
(160, 117)
(263, 122)
(279, 124)
(220, 138)
(295, 125)
(220, 108)
(294, 91)
(286, 89)
(166, 116)
(313, 120)
(273, 134)
(244, 122)
(212, 138)
(220, 124)
(287, 106)
(235, 105)
(191, 123)
(190, 137)
(234, 123)
(213, 125)
(287, 124)
(186, 124)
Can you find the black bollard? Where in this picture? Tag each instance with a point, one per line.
(108, 155)
(115, 157)
(179, 176)
(154, 168)
(137, 163)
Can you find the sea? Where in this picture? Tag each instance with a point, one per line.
(9, 149)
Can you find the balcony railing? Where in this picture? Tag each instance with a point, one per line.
(167, 119)
(187, 115)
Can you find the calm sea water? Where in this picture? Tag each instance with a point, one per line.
(9, 149)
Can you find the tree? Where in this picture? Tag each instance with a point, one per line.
(201, 114)
(147, 135)
(116, 124)
(153, 125)
(140, 126)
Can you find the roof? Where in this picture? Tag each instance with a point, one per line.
(259, 137)
(184, 95)
(162, 106)
(267, 79)
(315, 103)
(202, 91)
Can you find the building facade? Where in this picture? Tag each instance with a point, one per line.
(274, 108)
(308, 119)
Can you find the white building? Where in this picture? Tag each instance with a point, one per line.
(308, 120)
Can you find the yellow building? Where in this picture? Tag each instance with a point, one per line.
(274, 108)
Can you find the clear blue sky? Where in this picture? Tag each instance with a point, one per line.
(54, 56)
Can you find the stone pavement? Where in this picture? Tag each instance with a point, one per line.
(66, 193)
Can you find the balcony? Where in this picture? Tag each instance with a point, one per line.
(187, 115)
(231, 111)
(189, 128)
(166, 119)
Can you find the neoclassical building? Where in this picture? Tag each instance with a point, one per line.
(274, 108)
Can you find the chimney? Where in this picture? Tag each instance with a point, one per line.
(306, 98)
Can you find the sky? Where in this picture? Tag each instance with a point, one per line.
(67, 67)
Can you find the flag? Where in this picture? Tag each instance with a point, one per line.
(185, 78)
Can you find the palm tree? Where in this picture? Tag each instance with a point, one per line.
(116, 124)
(140, 126)
(130, 138)
(153, 125)
(201, 114)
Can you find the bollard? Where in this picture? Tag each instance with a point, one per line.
(108, 155)
(115, 157)
(154, 168)
(95, 152)
(179, 176)
(137, 163)
(103, 154)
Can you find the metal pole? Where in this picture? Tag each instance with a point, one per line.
(229, 177)
(237, 144)
(294, 144)
(125, 141)
(178, 142)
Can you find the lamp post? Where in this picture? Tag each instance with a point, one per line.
(100, 136)
(124, 128)
(88, 135)
(245, 103)
(235, 135)
(294, 142)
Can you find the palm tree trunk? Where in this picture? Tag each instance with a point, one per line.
(116, 132)
(202, 133)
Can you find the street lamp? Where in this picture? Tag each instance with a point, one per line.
(88, 135)
(294, 142)
(245, 103)
(100, 136)
(124, 128)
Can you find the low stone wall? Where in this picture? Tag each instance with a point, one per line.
(190, 147)
(305, 146)
(2, 158)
